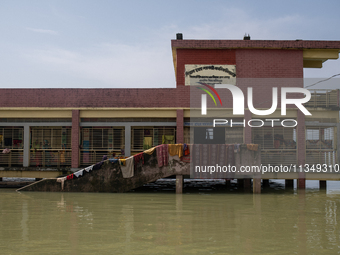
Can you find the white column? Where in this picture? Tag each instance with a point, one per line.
(26, 159)
(127, 140)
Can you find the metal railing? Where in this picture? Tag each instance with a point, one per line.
(90, 157)
(278, 157)
(314, 157)
(13, 158)
(50, 157)
(326, 98)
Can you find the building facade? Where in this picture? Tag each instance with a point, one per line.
(61, 128)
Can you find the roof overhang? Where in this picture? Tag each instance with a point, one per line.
(314, 52)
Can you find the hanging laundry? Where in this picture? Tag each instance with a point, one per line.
(88, 169)
(6, 151)
(186, 150)
(128, 170)
(122, 162)
(186, 153)
(97, 166)
(147, 143)
(196, 158)
(252, 147)
(79, 173)
(61, 180)
(168, 139)
(137, 158)
(176, 149)
(113, 160)
(62, 157)
(237, 148)
(150, 151)
(70, 177)
(162, 155)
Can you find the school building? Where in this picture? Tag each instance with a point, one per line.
(70, 128)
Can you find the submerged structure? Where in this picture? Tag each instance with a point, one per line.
(45, 133)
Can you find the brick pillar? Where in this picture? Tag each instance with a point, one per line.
(247, 129)
(180, 126)
(75, 139)
(301, 147)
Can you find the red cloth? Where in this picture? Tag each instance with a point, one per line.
(162, 155)
(137, 158)
(187, 156)
(70, 177)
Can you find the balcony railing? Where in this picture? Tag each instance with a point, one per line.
(50, 158)
(279, 157)
(89, 157)
(13, 158)
(325, 98)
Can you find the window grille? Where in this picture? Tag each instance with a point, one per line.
(99, 141)
(188, 135)
(233, 135)
(274, 137)
(323, 98)
(50, 146)
(278, 144)
(11, 138)
(143, 138)
(321, 145)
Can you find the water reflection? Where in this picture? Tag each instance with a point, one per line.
(286, 222)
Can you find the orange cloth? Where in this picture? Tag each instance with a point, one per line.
(176, 149)
(252, 147)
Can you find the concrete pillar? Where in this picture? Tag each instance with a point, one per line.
(127, 148)
(265, 183)
(257, 185)
(247, 129)
(247, 184)
(322, 184)
(227, 183)
(180, 126)
(179, 184)
(289, 183)
(26, 158)
(301, 147)
(240, 183)
(75, 139)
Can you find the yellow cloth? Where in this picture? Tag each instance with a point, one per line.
(252, 147)
(147, 143)
(62, 157)
(168, 139)
(150, 151)
(175, 149)
(122, 161)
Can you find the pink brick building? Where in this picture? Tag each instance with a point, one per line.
(75, 127)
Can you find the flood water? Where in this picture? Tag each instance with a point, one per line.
(277, 221)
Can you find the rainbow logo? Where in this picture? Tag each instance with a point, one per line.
(209, 93)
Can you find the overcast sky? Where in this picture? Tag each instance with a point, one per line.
(125, 44)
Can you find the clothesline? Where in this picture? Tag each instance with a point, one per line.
(129, 165)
